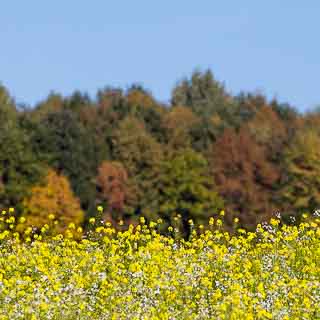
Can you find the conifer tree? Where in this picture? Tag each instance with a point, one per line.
(19, 167)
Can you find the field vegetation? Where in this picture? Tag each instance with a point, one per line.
(138, 273)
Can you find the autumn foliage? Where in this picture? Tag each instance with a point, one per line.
(113, 189)
(52, 199)
(135, 156)
(244, 176)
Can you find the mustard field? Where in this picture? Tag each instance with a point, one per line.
(272, 273)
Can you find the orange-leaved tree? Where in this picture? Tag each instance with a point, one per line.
(244, 177)
(113, 189)
(53, 198)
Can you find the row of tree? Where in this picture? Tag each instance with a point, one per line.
(206, 151)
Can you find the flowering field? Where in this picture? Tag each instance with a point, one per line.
(273, 273)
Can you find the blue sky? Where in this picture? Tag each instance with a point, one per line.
(270, 46)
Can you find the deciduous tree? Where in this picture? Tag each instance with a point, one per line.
(114, 190)
(185, 188)
(269, 131)
(244, 177)
(179, 123)
(55, 197)
(301, 191)
(141, 155)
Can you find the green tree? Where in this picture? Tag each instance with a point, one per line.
(247, 105)
(77, 101)
(114, 105)
(142, 105)
(203, 94)
(141, 155)
(19, 167)
(185, 188)
(67, 147)
(301, 191)
(208, 99)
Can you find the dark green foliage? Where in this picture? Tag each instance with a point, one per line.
(186, 189)
(248, 105)
(68, 148)
(203, 94)
(141, 155)
(19, 168)
(208, 99)
(77, 101)
(285, 111)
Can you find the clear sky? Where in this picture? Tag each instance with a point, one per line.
(272, 46)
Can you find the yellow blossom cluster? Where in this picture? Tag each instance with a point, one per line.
(273, 273)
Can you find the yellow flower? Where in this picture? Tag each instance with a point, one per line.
(274, 222)
(79, 229)
(142, 220)
(22, 220)
(152, 224)
(71, 225)
(11, 220)
(128, 266)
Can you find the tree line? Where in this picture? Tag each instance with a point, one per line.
(206, 151)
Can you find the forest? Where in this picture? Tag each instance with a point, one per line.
(206, 151)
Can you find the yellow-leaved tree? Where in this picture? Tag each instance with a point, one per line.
(55, 199)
